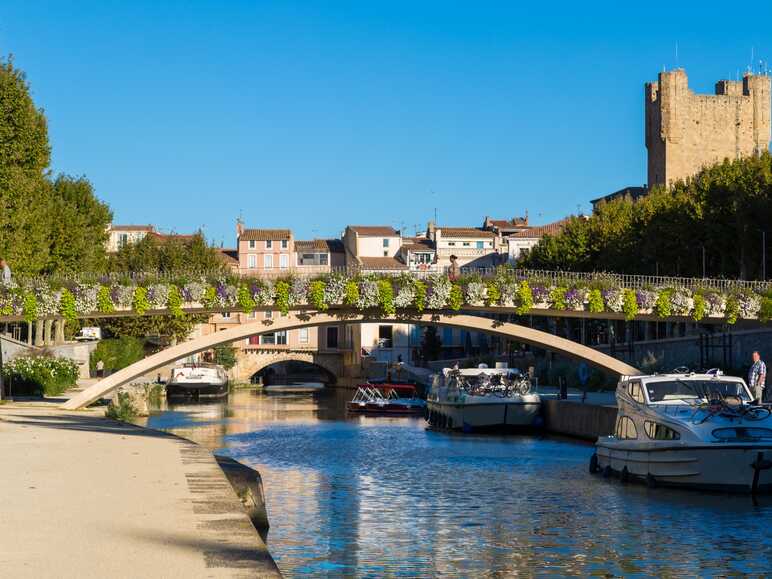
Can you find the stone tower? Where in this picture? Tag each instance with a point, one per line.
(687, 131)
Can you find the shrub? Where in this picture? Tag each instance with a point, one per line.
(40, 375)
(123, 409)
(524, 298)
(595, 301)
(117, 353)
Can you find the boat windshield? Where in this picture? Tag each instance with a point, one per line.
(667, 390)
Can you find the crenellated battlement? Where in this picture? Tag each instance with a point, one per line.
(687, 131)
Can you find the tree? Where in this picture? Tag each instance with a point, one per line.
(721, 217)
(24, 190)
(225, 356)
(168, 254)
(169, 328)
(78, 230)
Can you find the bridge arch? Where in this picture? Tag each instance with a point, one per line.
(294, 321)
(254, 363)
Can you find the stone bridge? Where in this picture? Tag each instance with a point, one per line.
(252, 360)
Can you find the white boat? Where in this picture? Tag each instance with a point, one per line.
(689, 430)
(482, 398)
(197, 380)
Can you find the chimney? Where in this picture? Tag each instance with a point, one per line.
(239, 227)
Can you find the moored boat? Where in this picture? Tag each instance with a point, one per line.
(387, 399)
(700, 431)
(197, 380)
(482, 398)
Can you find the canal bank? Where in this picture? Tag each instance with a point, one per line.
(83, 496)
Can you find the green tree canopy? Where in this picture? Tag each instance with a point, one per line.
(167, 254)
(45, 226)
(719, 217)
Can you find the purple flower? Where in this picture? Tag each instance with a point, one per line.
(540, 293)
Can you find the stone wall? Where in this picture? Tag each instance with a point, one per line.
(687, 131)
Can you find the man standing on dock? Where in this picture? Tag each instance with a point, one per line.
(757, 377)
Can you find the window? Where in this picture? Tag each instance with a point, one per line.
(268, 261)
(689, 389)
(268, 244)
(332, 337)
(252, 261)
(385, 335)
(284, 261)
(254, 340)
(385, 243)
(313, 258)
(625, 429)
(452, 243)
(225, 315)
(123, 239)
(447, 336)
(284, 243)
(636, 392)
(252, 244)
(466, 244)
(422, 258)
(252, 315)
(281, 338)
(274, 339)
(660, 431)
(268, 315)
(303, 335)
(480, 244)
(385, 253)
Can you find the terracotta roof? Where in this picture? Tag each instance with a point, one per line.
(465, 232)
(374, 230)
(507, 223)
(381, 263)
(132, 228)
(539, 231)
(331, 245)
(229, 256)
(264, 234)
(417, 244)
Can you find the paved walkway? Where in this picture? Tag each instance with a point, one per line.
(82, 496)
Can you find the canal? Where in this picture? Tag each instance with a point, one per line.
(374, 497)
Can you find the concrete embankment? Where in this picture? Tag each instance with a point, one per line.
(578, 419)
(83, 496)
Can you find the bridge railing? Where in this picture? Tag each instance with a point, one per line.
(557, 277)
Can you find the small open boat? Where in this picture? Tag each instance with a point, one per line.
(387, 399)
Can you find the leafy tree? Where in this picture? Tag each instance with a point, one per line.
(78, 230)
(167, 254)
(24, 157)
(719, 217)
(225, 356)
(168, 328)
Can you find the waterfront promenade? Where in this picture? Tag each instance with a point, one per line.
(83, 496)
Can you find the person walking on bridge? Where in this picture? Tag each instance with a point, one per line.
(5, 272)
(757, 377)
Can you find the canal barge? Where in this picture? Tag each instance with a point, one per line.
(482, 398)
(387, 399)
(683, 429)
(197, 381)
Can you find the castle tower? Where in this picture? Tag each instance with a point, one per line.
(687, 131)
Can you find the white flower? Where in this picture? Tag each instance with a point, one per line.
(335, 290)
(439, 292)
(405, 295)
(368, 294)
(298, 292)
(475, 293)
(614, 299)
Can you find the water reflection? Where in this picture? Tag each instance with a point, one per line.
(367, 496)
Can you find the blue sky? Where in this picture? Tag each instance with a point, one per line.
(317, 114)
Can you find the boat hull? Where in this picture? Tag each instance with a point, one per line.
(706, 467)
(196, 390)
(386, 409)
(488, 415)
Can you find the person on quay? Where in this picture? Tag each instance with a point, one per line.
(757, 377)
(454, 271)
(5, 271)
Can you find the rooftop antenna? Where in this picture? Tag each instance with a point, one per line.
(750, 68)
(676, 55)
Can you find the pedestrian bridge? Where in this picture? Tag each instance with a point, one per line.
(294, 321)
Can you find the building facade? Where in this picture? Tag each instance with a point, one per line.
(686, 131)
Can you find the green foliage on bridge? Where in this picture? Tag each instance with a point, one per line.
(39, 375)
(519, 291)
(720, 215)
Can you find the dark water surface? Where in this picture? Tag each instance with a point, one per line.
(374, 497)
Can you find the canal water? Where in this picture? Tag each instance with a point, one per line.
(387, 497)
